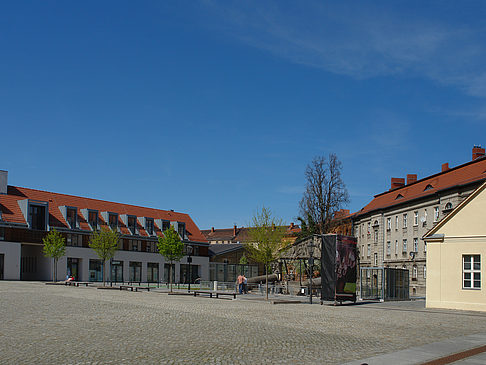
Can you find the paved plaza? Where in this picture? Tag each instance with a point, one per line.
(56, 324)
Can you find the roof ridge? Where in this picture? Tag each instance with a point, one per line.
(98, 200)
(432, 176)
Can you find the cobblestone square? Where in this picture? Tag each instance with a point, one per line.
(46, 324)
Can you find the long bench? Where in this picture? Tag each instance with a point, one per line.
(132, 288)
(216, 294)
(77, 283)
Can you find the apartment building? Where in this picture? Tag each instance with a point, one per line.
(27, 215)
(390, 228)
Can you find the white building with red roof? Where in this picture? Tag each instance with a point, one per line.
(27, 215)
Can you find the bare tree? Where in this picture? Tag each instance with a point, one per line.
(324, 195)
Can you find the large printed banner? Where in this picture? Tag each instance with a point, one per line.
(346, 271)
(338, 269)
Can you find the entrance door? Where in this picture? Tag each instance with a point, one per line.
(73, 268)
(117, 271)
(2, 256)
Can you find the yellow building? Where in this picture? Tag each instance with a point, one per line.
(456, 254)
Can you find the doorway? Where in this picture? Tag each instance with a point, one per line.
(73, 268)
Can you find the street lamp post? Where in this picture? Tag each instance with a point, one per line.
(311, 267)
(189, 261)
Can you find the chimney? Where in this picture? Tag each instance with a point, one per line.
(477, 152)
(234, 230)
(3, 181)
(212, 229)
(445, 167)
(411, 178)
(397, 182)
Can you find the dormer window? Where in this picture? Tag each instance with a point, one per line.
(113, 221)
(181, 228)
(165, 225)
(132, 224)
(399, 196)
(448, 206)
(149, 226)
(71, 217)
(93, 219)
(38, 216)
(428, 187)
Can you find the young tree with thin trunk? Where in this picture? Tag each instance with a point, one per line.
(266, 235)
(55, 247)
(104, 243)
(172, 248)
(325, 193)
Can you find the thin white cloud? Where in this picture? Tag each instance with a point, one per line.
(362, 41)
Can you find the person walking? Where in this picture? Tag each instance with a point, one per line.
(245, 285)
(240, 283)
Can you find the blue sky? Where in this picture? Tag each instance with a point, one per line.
(215, 108)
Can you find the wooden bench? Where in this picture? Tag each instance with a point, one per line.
(216, 294)
(132, 288)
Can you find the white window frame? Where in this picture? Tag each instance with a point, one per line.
(415, 218)
(436, 214)
(471, 271)
(414, 273)
(388, 248)
(388, 224)
(404, 245)
(396, 247)
(368, 252)
(405, 220)
(396, 223)
(415, 245)
(375, 261)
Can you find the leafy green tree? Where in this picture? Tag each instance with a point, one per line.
(105, 244)
(55, 247)
(172, 248)
(266, 235)
(243, 260)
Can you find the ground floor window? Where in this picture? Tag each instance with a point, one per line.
(189, 273)
(166, 272)
(135, 271)
(152, 272)
(95, 270)
(414, 273)
(471, 273)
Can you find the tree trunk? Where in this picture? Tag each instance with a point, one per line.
(170, 276)
(103, 273)
(266, 277)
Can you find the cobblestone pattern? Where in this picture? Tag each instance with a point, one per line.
(44, 324)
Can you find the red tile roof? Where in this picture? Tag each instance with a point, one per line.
(11, 211)
(470, 172)
(242, 233)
